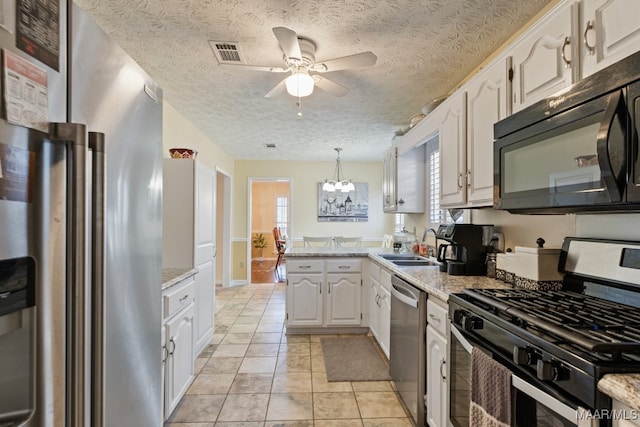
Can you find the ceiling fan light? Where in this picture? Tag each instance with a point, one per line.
(299, 84)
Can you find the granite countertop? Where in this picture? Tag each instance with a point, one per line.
(334, 252)
(437, 283)
(624, 388)
(171, 276)
(429, 279)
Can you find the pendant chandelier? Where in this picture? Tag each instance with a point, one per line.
(338, 183)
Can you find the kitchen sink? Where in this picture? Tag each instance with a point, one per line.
(405, 260)
(403, 257)
(415, 262)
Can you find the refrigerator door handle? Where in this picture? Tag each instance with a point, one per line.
(97, 146)
(73, 135)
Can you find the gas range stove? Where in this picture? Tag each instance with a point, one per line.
(564, 341)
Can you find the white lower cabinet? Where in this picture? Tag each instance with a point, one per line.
(436, 354)
(380, 306)
(178, 330)
(180, 373)
(304, 299)
(324, 292)
(384, 319)
(343, 299)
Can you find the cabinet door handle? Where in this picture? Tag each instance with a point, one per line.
(590, 49)
(442, 364)
(304, 267)
(344, 267)
(173, 346)
(184, 298)
(567, 42)
(329, 291)
(460, 181)
(377, 300)
(165, 353)
(434, 318)
(320, 287)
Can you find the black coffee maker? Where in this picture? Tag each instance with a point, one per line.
(465, 253)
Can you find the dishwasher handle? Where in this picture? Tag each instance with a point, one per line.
(403, 296)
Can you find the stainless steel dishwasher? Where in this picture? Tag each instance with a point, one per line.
(407, 352)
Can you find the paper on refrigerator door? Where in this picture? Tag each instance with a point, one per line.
(25, 94)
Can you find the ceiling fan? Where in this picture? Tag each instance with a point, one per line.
(300, 61)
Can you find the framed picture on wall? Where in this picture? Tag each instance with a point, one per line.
(336, 206)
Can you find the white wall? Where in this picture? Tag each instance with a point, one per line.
(178, 132)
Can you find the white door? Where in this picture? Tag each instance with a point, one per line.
(343, 299)
(453, 151)
(205, 242)
(545, 60)
(611, 31)
(180, 334)
(304, 299)
(486, 104)
(436, 379)
(384, 320)
(373, 307)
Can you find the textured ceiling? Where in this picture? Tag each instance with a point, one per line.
(424, 48)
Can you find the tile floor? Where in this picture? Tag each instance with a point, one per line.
(254, 375)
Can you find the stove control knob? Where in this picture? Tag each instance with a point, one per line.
(471, 323)
(458, 315)
(523, 356)
(548, 371)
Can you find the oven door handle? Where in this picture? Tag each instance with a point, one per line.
(579, 415)
(462, 340)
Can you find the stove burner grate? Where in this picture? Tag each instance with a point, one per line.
(591, 323)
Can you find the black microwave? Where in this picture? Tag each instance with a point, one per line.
(576, 151)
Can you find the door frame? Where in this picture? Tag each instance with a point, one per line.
(250, 181)
(223, 228)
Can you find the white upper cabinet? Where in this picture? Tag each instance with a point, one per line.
(403, 181)
(545, 57)
(453, 152)
(389, 181)
(610, 32)
(487, 96)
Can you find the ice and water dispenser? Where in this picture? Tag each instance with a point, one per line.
(17, 340)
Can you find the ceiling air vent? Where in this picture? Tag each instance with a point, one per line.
(227, 52)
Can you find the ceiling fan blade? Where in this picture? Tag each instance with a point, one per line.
(280, 87)
(260, 68)
(364, 59)
(330, 87)
(288, 40)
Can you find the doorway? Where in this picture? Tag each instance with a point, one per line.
(223, 228)
(269, 206)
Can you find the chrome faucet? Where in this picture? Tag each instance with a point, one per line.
(430, 250)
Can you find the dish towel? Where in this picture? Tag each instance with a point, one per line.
(490, 392)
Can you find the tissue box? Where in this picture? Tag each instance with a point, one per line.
(537, 268)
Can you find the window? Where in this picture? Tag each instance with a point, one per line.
(282, 214)
(436, 214)
(399, 223)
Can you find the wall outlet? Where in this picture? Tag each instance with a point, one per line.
(241, 264)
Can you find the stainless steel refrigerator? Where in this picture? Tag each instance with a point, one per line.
(80, 222)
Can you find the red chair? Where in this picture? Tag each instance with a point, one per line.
(281, 246)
